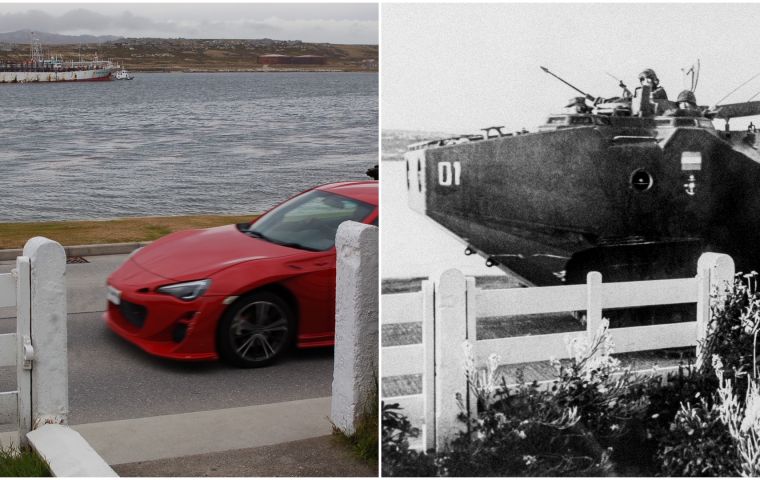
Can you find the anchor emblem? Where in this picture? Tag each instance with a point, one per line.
(690, 186)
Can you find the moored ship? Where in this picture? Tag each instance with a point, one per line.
(39, 69)
(55, 71)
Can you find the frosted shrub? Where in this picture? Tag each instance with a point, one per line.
(482, 382)
(698, 444)
(529, 430)
(595, 383)
(398, 460)
(733, 329)
(743, 421)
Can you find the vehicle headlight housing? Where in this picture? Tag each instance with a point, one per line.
(186, 290)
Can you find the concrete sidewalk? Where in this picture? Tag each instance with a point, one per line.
(281, 439)
(185, 434)
(82, 250)
(85, 283)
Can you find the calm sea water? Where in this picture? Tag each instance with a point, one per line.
(175, 144)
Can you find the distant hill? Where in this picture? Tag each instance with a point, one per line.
(183, 54)
(24, 36)
(395, 142)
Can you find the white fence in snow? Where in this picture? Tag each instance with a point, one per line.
(450, 306)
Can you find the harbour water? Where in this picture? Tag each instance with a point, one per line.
(179, 144)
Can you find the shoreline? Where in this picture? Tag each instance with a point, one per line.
(4, 223)
(249, 70)
(122, 230)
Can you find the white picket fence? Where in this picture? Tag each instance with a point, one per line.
(38, 350)
(450, 306)
(15, 348)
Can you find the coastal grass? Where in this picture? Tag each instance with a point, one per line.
(131, 229)
(15, 462)
(363, 442)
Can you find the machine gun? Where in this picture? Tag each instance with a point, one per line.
(603, 106)
(588, 97)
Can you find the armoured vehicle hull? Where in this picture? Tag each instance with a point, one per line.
(633, 197)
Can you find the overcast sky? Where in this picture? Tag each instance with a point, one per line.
(311, 22)
(457, 68)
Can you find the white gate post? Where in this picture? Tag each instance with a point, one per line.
(23, 338)
(50, 378)
(356, 317)
(715, 272)
(428, 373)
(450, 334)
(593, 303)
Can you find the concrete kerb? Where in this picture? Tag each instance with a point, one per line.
(67, 453)
(83, 250)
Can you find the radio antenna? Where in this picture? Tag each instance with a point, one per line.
(737, 88)
(694, 71)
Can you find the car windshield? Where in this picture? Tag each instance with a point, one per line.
(309, 221)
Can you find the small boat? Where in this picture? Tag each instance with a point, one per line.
(123, 74)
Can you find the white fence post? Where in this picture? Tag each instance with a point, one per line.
(428, 373)
(356, 318)
(23, 337)
(593, 303)
(715, 274)
(450, 334)
(50, 379)
(471, 319)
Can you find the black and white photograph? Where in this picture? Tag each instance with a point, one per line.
(569, 240)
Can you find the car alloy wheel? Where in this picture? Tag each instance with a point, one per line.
(256, 330)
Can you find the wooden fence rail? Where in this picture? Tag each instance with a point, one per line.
(450, 306)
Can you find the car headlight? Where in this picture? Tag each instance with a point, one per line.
(187, 290)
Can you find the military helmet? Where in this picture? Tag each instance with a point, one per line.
(687, 96)
(649, 73)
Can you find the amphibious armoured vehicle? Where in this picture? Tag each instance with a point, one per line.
(632, 186)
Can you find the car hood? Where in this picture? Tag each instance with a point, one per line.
(193, 254)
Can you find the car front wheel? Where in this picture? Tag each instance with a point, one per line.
(256, 330)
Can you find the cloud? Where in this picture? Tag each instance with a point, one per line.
(33, 20)
(334, 23)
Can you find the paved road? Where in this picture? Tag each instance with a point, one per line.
(304, 458)
(109, 379)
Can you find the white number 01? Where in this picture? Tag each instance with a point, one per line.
(446, 177)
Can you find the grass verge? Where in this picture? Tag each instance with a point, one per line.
(88, 232)
(364, 441)
(15, 462)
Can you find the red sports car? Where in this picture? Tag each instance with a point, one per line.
(243, 293)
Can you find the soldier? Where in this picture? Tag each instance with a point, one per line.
(686, 106)
(687, 101)
(648, 77)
